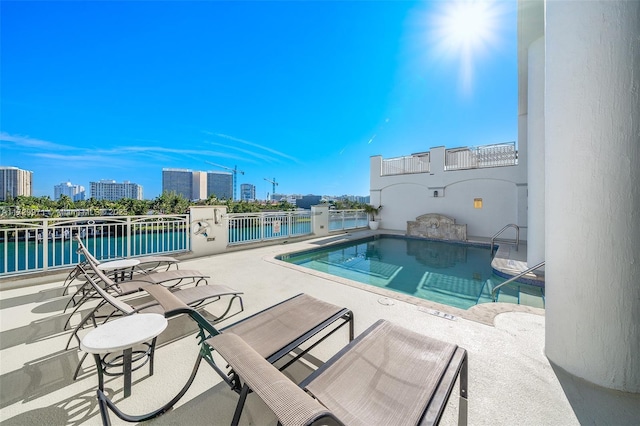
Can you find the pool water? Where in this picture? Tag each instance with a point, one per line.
(454, 274)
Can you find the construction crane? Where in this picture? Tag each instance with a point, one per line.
(234, 172)
(274, 183)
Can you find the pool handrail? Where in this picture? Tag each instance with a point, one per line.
(512, 279)
(504, 228)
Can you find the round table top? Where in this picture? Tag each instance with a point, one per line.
(123, 333)
(118, 264)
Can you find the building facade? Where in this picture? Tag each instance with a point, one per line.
(15, 182)
(179, 181)
(112, 191)
(247, 192)
(220, 185)
(484, 187)
(75, 192)
(306, 201)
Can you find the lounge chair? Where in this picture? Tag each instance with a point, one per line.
(148, 264)
(291, 328)
(170, 278)
(387, 376)
(194, 297)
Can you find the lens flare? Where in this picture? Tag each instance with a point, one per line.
(464, 30)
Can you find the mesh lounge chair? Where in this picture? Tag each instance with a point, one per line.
(387, 376)
(170, 279)
(278, 331)
(167, 278)
(147, 264)
(194, 297)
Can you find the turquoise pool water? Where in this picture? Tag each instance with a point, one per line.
(454, 274)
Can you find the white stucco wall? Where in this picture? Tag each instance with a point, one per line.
(592, 143)
(404, 197)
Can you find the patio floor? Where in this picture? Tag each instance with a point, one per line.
(511, 382)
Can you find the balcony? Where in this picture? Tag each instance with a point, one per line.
(486, 156)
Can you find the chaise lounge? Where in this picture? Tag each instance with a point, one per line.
(283, 332)
(148, 264)
(194, 297)
(388, 375)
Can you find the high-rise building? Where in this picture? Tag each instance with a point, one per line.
(247, 192)
(220, 184)
(112, 191)
(75, 192)
(179, 181)
(15, 182)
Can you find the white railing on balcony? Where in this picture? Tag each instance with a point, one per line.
(31, 245)
(416, 163)
(256, 227)
(347, 219)
(497, 155)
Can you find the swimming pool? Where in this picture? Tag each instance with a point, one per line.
(454, 274)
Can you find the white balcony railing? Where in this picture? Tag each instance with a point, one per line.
(347, 219)
(416, 163)
(30, 245)
(497, 155)
(256, 227)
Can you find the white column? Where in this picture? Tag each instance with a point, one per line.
(592, 151)
(535, 150)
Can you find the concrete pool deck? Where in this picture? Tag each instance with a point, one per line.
(511, 382)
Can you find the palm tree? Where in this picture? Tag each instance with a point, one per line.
(373, 211)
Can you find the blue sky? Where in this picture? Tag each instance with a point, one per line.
(301, 91)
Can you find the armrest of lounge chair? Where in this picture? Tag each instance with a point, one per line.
(291, 405)
(173, 306)
(170, 303)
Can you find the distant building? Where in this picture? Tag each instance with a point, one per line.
(354, 198)
(75, 192)
(15, 182)
(112, 191)
(220, 184)
(306, 201)
(247, 192)
(179, 181)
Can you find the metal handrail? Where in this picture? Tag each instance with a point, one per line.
(512, 279)
(511, 225)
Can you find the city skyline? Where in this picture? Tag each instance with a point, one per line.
(300, 92)
(86, 193)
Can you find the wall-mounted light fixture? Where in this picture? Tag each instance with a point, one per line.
(477, 203)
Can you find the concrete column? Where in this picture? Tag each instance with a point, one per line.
(592, 154)
(535, 148)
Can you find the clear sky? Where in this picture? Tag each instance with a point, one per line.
(301, 91)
